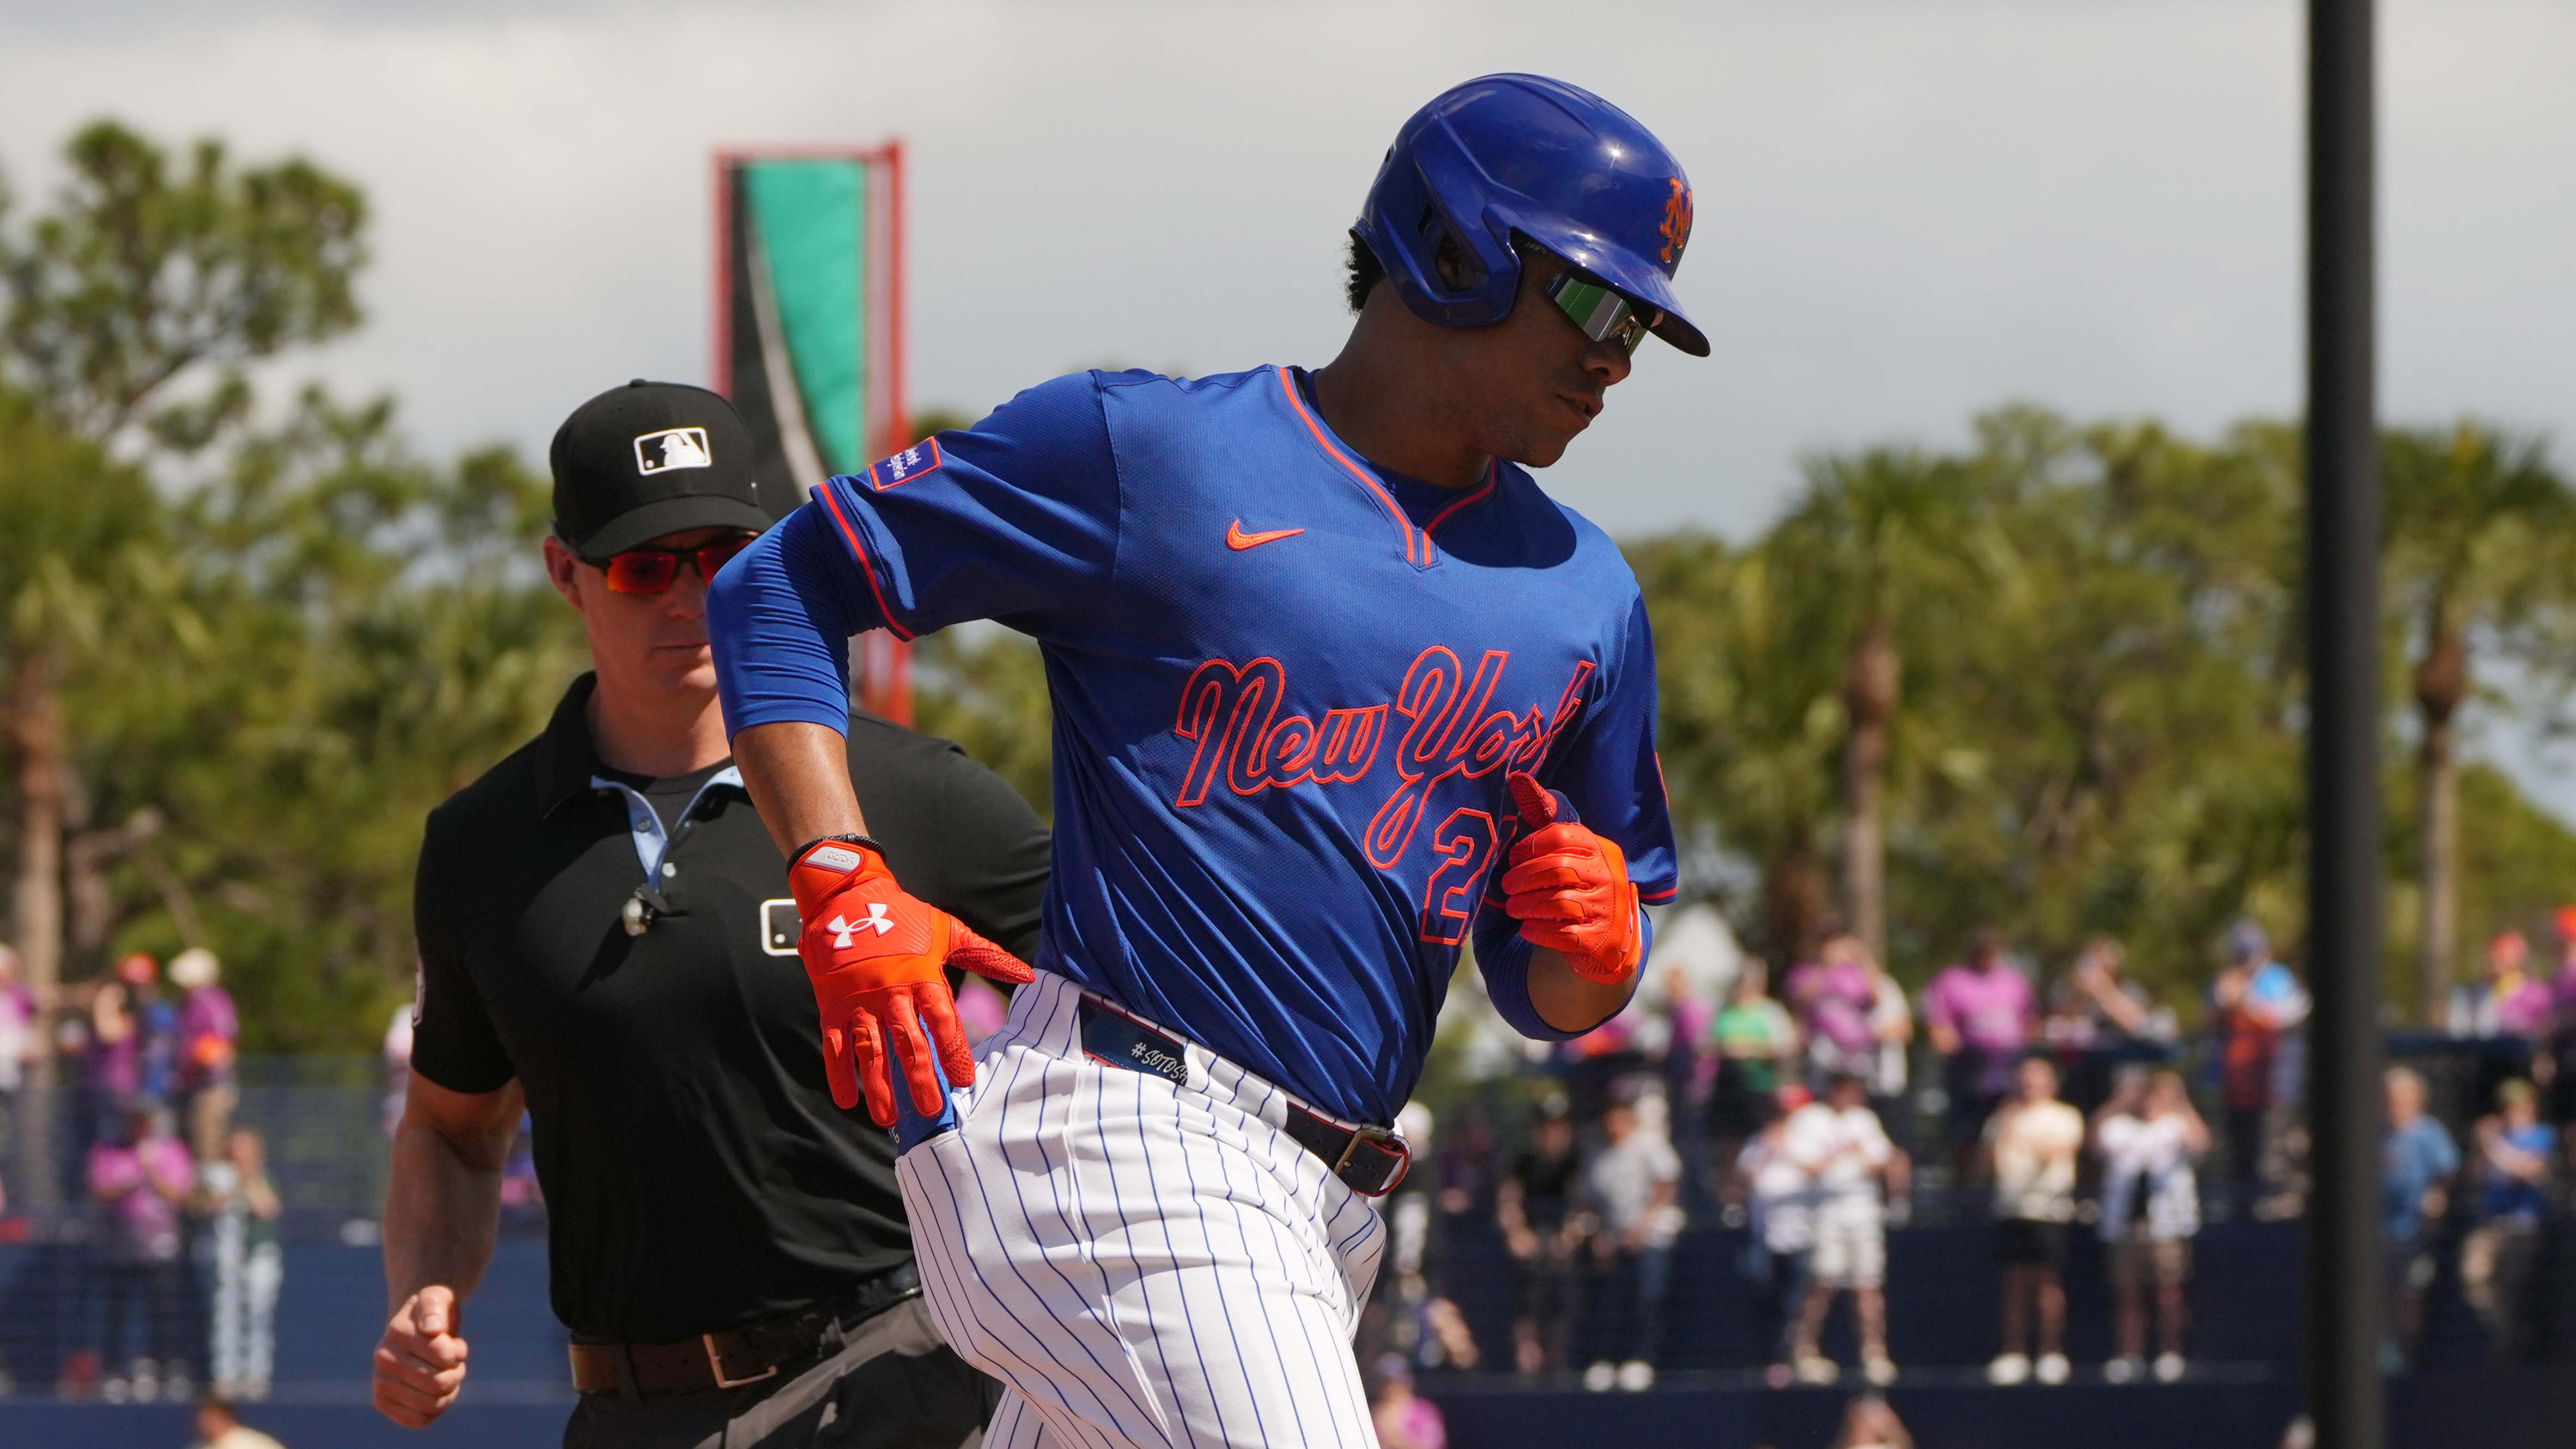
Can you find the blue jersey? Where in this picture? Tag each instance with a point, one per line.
(1287, 687)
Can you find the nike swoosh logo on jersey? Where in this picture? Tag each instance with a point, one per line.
(1238, 540)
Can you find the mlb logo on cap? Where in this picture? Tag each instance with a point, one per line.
(647, 460)
(672, 448)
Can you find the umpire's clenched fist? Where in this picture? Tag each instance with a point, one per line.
(420, 1362)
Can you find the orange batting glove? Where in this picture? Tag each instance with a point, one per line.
(875, 956)
(1569, 889)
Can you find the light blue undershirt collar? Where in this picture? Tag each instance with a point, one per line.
(652, 842)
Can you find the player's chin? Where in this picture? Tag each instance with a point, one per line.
(1545, 433)
(1536, 448)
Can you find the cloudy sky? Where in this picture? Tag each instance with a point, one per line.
(1907, 209)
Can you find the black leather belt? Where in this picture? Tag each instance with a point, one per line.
(733, 1357)
(1370, 1160)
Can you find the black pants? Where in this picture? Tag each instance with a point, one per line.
(2245, 1146)
(1781, 1283)
(1972, 1102)
(1627, 1306)
(1551, 1294)
(149, 1291)
(894, 1386)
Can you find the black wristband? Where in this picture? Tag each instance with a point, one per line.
(807, 848)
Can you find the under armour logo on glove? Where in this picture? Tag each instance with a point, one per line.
(874, 955)
(876, 921)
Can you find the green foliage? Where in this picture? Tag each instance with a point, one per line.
(2517, 865)
(2478, 564)
(246, 678)
(368, 633)
(2099, 731)
(2478, 530)
(2105, 713)
(2519, 861)
(1750, 713)
(151, 266)
(271, 642)
(73, 524)
(986, 689)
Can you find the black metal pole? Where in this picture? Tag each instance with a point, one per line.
(2345, 1112)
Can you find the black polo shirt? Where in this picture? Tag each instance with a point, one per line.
(697, 1175)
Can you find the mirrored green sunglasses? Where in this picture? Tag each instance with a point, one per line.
(1602, 314)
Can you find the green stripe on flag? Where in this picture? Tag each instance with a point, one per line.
(810, 217)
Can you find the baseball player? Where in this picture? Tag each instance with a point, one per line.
(1336, 686)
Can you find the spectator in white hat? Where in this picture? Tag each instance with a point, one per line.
(209, 1039)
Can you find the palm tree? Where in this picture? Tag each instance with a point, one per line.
(1876, 536)
(69, 520)
(153, 273)
(1748, 729)
(2476, 557)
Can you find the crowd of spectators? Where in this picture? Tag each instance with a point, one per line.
(2503, 1188)
(1801, 1108)
(171, 1205)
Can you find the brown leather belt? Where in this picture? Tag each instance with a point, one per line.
(733, 1357)
(1371, 1160)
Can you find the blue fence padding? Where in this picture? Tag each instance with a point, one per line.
(330, 1313)
(1941, 1305)
(45, 1424)
(2491, 1409)
(1942, 1291)
(2203, 1416)
(2487, 1408)
(332, 1310)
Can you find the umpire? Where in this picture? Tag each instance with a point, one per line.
(607, 943)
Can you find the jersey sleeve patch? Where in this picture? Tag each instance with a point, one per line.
(920, 459)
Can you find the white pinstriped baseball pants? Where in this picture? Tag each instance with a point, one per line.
(1140, 1263)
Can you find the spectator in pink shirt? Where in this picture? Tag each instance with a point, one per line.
(139, 1178)
(2512, 999)
(2514, 1005)
(21, 1039)
(2557, 1062)
(2563, 985)
(1833, 997)
(1981, 1014)
(1856, 1020)
(1404, 1419)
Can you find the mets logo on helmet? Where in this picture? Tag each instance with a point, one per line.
(1677, 222)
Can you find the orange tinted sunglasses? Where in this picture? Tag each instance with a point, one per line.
(654, 570)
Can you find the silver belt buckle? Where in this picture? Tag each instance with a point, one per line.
(1379, 1135)
(715, 1366)
(1383, 1137)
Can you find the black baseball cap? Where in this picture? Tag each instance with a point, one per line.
(648, 459)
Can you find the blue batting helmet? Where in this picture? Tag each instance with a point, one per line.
(1553, 162)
